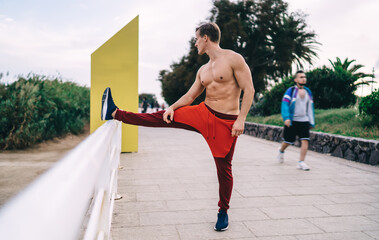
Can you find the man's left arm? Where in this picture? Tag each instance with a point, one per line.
(244, 79)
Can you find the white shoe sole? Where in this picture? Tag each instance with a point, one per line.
(105, 105)
(224, 229)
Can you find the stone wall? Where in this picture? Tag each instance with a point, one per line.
(350, 148)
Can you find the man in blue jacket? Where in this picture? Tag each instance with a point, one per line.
(298, 116)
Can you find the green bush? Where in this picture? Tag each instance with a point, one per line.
(34, 109)
(332, 88)
(272, 99)
(369, 106)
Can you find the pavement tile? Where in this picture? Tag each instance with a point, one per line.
(373, 234)
(302, 200)
(376, 205)
(282, 227)
(345, 224)
(205, 231)
(351, 198)
(145, 233)
(373, 217)
(184, 187)
(293, 212)
(161, 196)
(253, 202)
(336, 236)
(278, 238)
(128, 219)
(170, 218)
(193, 204)
(262, 192)
(128, 188)
(176, 197)
(122, 206)
(310, 190)
(348, 209)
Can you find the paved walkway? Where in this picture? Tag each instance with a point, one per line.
(170, 191)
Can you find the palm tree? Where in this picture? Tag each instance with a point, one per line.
(345, 65)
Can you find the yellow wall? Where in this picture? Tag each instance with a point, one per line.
(115, 65)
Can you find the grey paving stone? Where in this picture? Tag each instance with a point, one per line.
(170, 218)
(336, 236)
(302, 200)
(293, 212)
(175, 195)
(345, 224)
(161, 196)
(128, 219)
(373, 217)
(351, 198)
(145, 233)
(246, 214)
(376, 205)
(253, 202)
(278, 238)
(373, 234)
(282, 227)
(125, 206)
(262, 192)
(205, 231)
(348, 209)
(193, 204)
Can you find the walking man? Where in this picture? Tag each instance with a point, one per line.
(219, 118)
(298, 117)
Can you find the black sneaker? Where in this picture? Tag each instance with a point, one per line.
(222, 221)
(107, 105)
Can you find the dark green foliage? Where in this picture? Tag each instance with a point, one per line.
(346, 65)
(34, 109)
(176, 83)
(272, 100)
(265, 33)
(332, 88)
(369, 107)
(149, 97)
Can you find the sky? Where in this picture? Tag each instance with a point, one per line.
(57, 38)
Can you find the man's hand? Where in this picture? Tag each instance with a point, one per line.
(238, 128)
(287, 122)
(168, 116)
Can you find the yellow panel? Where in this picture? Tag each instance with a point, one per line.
(115, 65)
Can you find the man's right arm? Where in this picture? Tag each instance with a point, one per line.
(285, 108)
(196, 89)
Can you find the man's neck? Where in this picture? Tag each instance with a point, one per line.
(214, 51)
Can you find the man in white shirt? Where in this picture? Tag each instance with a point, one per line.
(298, 116)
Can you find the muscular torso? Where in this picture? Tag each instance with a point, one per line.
(222, 90)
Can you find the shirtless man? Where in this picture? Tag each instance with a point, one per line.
(219, 118)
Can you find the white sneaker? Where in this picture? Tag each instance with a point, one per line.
(303, 166)
(280, 156)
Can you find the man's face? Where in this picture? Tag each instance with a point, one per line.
(300, 79)
(200, 43)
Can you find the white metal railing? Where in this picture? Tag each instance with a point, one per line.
(55, 204)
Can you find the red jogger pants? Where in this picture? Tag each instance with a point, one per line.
(214, 126)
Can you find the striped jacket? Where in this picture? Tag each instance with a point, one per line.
(288, 105)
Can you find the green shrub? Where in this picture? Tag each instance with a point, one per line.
(272, 99)
(332, 88)
(35, 109)
(369, 107)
